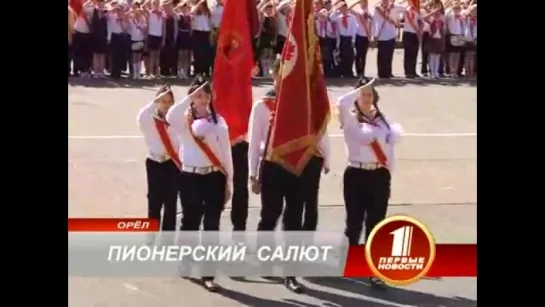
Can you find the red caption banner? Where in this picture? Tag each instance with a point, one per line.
(401, 250)
(112, 225)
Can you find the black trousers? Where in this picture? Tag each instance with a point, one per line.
(411, 43)
(118, 57)
(424, 68)
(201, 52)
(279, 186)
(362, 45)
(69, 59)
(310, 181)
(162, 192)
(168, 60)
(82, 47)
(203, 199)
(127, 54)
(346, 53)
(240, 200)
(331, 69)
(385, 56)
(366, 195)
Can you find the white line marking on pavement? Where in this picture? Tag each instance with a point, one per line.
(130, 287)
(334, 135)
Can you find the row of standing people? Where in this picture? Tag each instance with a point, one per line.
(350, 31)
(190, 154)
(167, 39)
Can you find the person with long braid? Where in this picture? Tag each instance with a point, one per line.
(206, 180)
(370, 140)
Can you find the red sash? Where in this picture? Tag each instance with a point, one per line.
(381, 157)
(138, 26)
(379, 153)
(386, 15)
(206, 149)
(364, 18)
(411, 14)
(270, 104)
(162, 126)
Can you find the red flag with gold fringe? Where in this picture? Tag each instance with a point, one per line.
(232, 77)
(302, 111)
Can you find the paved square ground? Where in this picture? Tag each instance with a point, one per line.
(435, 181)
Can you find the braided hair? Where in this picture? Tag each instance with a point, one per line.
(376, 98)
(196, 84)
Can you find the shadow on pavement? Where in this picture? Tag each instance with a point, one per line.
(339, 82)
(329, 300)
(393, 295)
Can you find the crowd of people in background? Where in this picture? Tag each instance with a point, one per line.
(177, 38)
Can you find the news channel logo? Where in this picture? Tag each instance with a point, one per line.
(400, 250)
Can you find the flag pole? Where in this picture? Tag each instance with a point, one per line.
(265, 151)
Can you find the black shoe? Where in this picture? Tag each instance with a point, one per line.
(293, 285)
(210, 285)
(377, 283)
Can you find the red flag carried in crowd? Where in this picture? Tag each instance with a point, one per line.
(77, 6)
(253, 18)
(302, 111)
(415, 4)
(232, 78)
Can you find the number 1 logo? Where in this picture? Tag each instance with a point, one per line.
(401, 245)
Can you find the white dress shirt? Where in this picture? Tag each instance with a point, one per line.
(282, 26)
(361, 31)
(215, 16)
(258, 128)
(155, 24)
(382, 28)
(414, 16)
(351, 25)
(359, 136)
(146, 123)
(257, 135)
(137, 29)
(216, 136)
(81, 24)
(455, 23)
(201, 23)
(470, 34)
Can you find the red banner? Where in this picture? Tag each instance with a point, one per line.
(77, 6)
(451, 260)
(112, 225)
(253, 18)
(232, 79)
(303, 110)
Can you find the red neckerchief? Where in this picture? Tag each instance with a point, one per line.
(333, 28)
(435, 26)
(344, 21)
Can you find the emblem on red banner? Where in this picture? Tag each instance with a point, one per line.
(400, 250)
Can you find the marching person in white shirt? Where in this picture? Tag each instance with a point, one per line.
(207, 166)
(138, 31)
(347, 26)
(455, 37)
(281, 191)
(364, 34)
(385, 25)
(162, 164)
(370, 140)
